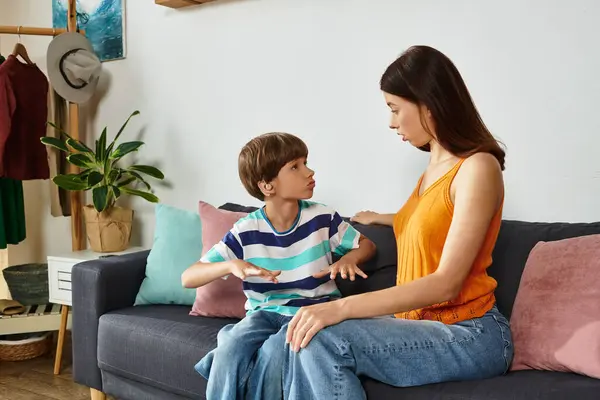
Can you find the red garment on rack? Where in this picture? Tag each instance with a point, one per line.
(23, 115)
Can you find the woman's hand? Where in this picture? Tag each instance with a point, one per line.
(311, 319)
(345, 269)
(243, 269)
(365, 217)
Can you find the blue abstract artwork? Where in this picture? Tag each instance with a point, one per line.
(102, 21)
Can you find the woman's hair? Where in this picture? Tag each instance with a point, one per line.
(425, 76)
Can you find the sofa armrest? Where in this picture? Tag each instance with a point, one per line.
(100, 286)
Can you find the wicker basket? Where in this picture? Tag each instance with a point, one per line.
(25, 346)
(28, 283)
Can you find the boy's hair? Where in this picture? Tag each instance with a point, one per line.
(262, 158)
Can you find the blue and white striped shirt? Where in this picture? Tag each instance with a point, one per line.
(301, 251)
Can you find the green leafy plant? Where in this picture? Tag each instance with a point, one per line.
(100, 171)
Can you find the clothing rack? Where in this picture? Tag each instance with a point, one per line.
(77, 238)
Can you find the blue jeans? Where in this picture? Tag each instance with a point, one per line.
(248, 360)
(397, 352)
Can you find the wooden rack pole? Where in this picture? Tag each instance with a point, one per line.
(77, 239)
(28, 30)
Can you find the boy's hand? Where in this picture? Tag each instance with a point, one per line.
(344, 268)
(243, 269)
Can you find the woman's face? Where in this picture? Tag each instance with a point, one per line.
(406, 120)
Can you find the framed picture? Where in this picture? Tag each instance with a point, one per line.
(103, 22)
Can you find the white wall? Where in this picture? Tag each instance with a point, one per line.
(208, 78)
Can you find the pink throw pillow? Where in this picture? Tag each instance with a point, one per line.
(556, 317)
(223, 298)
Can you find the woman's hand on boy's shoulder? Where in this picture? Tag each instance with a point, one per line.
(243, 269)
(344, 269)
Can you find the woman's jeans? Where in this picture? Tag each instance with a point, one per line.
(397, 352)
(253, 362)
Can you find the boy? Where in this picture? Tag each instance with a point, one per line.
(283, 254)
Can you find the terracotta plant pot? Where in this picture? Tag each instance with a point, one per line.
(110, 230)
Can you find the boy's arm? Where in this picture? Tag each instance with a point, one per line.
(352, 246)
(201, 273)
(217, 263)
(366, 250)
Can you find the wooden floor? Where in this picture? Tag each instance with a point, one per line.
(35, 380)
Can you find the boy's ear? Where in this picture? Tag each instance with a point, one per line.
(267, 189)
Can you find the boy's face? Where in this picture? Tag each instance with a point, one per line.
(295, 181)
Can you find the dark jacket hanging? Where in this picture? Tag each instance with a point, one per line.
(12, 210)
(23, 113)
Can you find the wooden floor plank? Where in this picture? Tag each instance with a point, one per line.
(35, 380)
(13, 393)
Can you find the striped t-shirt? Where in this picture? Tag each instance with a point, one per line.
(306, 248)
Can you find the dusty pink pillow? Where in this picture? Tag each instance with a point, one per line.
(556, 317)
(222, 298)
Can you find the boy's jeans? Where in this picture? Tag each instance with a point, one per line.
(397, 352)
(248, 360)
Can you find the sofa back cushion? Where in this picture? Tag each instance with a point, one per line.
(515, 241)
(556, 321)
(221, 298)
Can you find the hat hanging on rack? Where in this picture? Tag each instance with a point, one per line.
(73, 67)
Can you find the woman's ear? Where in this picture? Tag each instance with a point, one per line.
(267, 189)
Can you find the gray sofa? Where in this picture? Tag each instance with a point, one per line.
(148, 352)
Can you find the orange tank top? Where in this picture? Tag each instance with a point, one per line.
(421, 227)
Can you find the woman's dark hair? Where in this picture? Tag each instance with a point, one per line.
(425, 76)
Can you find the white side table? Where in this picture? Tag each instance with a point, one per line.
(59, 287)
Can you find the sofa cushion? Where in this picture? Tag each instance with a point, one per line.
(222, 298)
(177, 245)
(383, 237)
(515, 241)
(158, 345)
(555, 321)
(530, 385)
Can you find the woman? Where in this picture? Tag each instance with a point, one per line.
(446, 324)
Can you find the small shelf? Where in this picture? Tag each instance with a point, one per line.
(180, 3)
(39, 318)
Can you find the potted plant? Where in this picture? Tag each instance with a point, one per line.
(108, 226)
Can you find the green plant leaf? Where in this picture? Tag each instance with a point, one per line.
(94, 178)
(79, 159)
(139, 178)
(101, 147)
(112, 144)
(54, 142)
(126, 148)
(100, 197)
(148, 170)
(145, 195)
(126, 181)
(70, 182)
(136, 112)
(116, 191)
(79, 146)
(59, 129)
(114, 175)
(83, 174)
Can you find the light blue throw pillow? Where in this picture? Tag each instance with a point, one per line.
(177, 245)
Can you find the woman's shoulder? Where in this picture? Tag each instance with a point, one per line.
(480, 165)
(480, 172)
